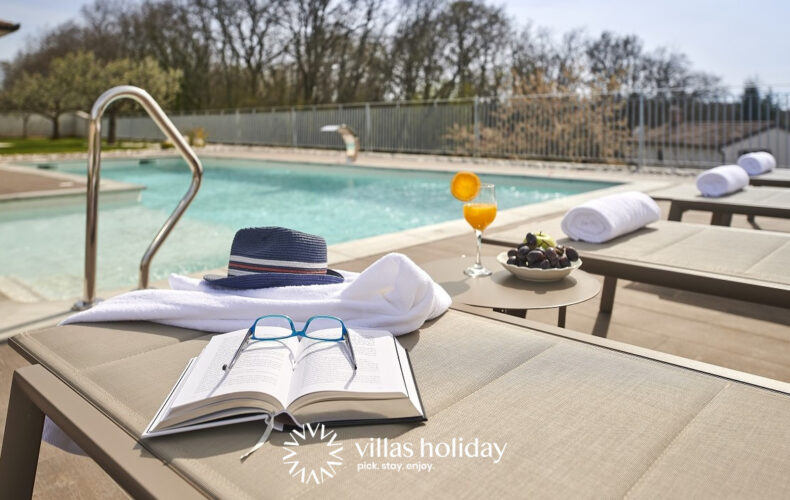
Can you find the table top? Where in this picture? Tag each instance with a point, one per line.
(503, 290)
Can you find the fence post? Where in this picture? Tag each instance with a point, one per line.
(294, 138)
(367, 125)
(476, 127)
(238, 127)
(641, 130)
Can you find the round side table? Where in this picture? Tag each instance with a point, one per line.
(504, 292)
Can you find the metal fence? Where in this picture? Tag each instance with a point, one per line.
(13, 125)
(635, 129)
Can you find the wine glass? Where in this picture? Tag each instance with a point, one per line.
(479, 213)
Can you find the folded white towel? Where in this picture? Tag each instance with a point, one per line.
(757, 163)
(721, 180)
(392, 294)
(608, 217)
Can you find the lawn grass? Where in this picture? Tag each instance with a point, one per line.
(15, 145)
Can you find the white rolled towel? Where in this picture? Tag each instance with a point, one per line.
(757, 163)
(603, 219)
(721, 180)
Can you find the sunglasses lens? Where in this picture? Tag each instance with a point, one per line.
(325, 329)
(273, 327)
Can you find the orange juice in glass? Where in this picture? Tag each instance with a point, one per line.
(479, 213)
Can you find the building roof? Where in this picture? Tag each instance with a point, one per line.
(706, 134)
(6, 27)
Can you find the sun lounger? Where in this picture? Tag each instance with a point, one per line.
(580, 416)
(728, 262)
(779, 177)
(751, 201)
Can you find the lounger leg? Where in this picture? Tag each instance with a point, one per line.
(721, 219)
(561, 316)
(21, 443)
(675, 212)
(607, 294)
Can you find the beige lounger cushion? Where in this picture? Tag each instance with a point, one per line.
(578, 420)
(769, 198)
(745, 253)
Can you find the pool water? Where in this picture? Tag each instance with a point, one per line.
(44, 250)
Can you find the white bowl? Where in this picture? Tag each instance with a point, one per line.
(536, 273)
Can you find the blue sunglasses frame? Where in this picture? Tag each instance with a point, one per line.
(250, 337)
(298, 333)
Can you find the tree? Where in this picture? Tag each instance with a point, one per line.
(178, 35)
(543, 66)
(41, 51)
(554, 123)
(615, 62)
(235, 53)
(475, 38)
(65, 87)
(162, 84)
(415, 53)
(21, 97)
(669, 74)
(316, 29)
(250, 36)
(74, 81)
(757, 106)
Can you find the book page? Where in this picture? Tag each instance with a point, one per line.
(264, 367)
(326, 366)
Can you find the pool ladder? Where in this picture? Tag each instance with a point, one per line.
(94, 167)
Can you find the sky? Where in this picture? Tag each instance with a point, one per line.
(735, 39)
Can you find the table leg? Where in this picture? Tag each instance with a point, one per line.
(675, 212)
(561, 316)
(721, 219)
(519, 313)
(21, 443)
(607, 294)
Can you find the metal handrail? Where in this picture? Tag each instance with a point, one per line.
(94, 166)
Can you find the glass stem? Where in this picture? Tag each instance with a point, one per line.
(479, 236)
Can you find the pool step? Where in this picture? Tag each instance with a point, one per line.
(16, 290)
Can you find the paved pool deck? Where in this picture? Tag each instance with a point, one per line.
(25, 187)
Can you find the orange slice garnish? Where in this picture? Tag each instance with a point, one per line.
(465, 186)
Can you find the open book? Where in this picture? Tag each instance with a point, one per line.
(294, 381)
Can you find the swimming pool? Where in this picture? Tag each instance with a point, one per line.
(43, 250)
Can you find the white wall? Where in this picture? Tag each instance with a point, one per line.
(776, 141)
(676, 155)
(11, 125)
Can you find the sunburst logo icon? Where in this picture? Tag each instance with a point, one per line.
(308, 473)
